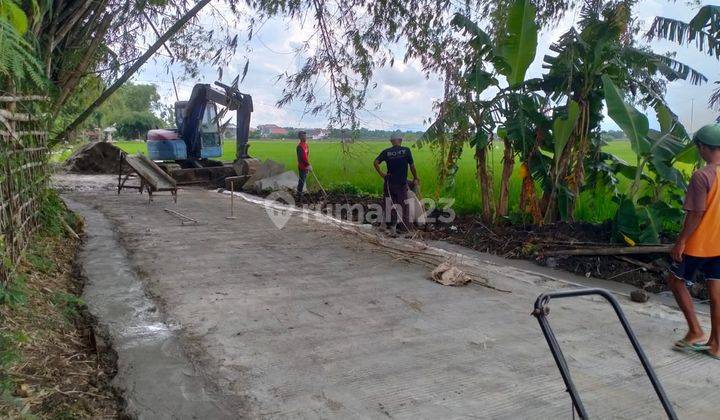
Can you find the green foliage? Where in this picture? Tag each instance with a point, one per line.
(40, 261)
(140, 97)
(9, 355)
(518, 45)
(134, 124)
(346, 188)
(129, 99)
(643, 220)
(703, 30)
(13, 13)
(14, 293)
(52, 212)
(68, 304)
(563, 127)
(18, 60)
(632, 122)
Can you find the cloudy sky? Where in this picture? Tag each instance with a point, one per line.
(403, 98)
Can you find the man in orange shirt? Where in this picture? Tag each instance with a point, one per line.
(697, 249)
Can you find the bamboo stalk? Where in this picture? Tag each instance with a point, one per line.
(134, 68)
(658, 249)
(11, 98)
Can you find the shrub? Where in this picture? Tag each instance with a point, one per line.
(135, 124)
(346, 188)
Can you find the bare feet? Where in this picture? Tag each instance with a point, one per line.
(714, 349)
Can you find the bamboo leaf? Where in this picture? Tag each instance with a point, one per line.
(519, 45)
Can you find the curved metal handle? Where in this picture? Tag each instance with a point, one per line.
(541, 311)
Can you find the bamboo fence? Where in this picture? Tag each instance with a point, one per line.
(24, 175)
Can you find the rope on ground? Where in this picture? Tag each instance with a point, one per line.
(319, 184)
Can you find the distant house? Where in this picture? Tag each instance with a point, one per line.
(318, 134)
(268, 130)
(108, 133)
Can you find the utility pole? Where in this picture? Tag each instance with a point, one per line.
(692, 113)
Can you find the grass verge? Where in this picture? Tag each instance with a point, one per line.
(50, 366)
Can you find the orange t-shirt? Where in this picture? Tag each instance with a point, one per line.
(704, 195)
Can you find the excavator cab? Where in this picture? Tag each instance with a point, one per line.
(207, 128)
(196, 140)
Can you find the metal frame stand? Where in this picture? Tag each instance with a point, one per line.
(541, 312)
(144, 185)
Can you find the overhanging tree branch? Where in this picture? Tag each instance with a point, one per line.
(134, 68)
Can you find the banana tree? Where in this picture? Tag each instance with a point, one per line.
(600, 48)
(639, 218)
(464, 115)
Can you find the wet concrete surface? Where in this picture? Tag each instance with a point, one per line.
(310, 322)
(154, 374)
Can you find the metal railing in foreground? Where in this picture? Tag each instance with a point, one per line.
(541, 312)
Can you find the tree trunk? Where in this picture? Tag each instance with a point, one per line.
(508, 165)
(484, 179)
(578, 171)
(528, 199)
(134, 68)
(70, 80)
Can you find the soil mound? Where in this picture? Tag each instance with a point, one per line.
(94, 158)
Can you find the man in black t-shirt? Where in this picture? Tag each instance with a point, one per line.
(397, 160)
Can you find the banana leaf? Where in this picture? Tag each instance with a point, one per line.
(518, 46)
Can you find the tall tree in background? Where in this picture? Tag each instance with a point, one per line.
(703, 31)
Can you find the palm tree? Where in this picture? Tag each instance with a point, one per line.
(703, 31)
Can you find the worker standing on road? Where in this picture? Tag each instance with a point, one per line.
(395, 184)
(303, 158)
(697, 248)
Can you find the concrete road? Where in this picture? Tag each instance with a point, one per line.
(310, 322)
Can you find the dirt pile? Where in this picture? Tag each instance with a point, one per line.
(271, 176)
(94, 158)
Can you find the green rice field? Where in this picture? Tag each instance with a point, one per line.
(334, 168)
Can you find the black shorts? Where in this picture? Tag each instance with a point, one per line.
(690, 266)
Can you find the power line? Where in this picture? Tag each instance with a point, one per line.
(257, 36)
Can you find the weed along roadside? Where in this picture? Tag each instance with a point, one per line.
(51, 365)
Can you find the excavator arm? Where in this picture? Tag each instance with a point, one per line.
(229, 97)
